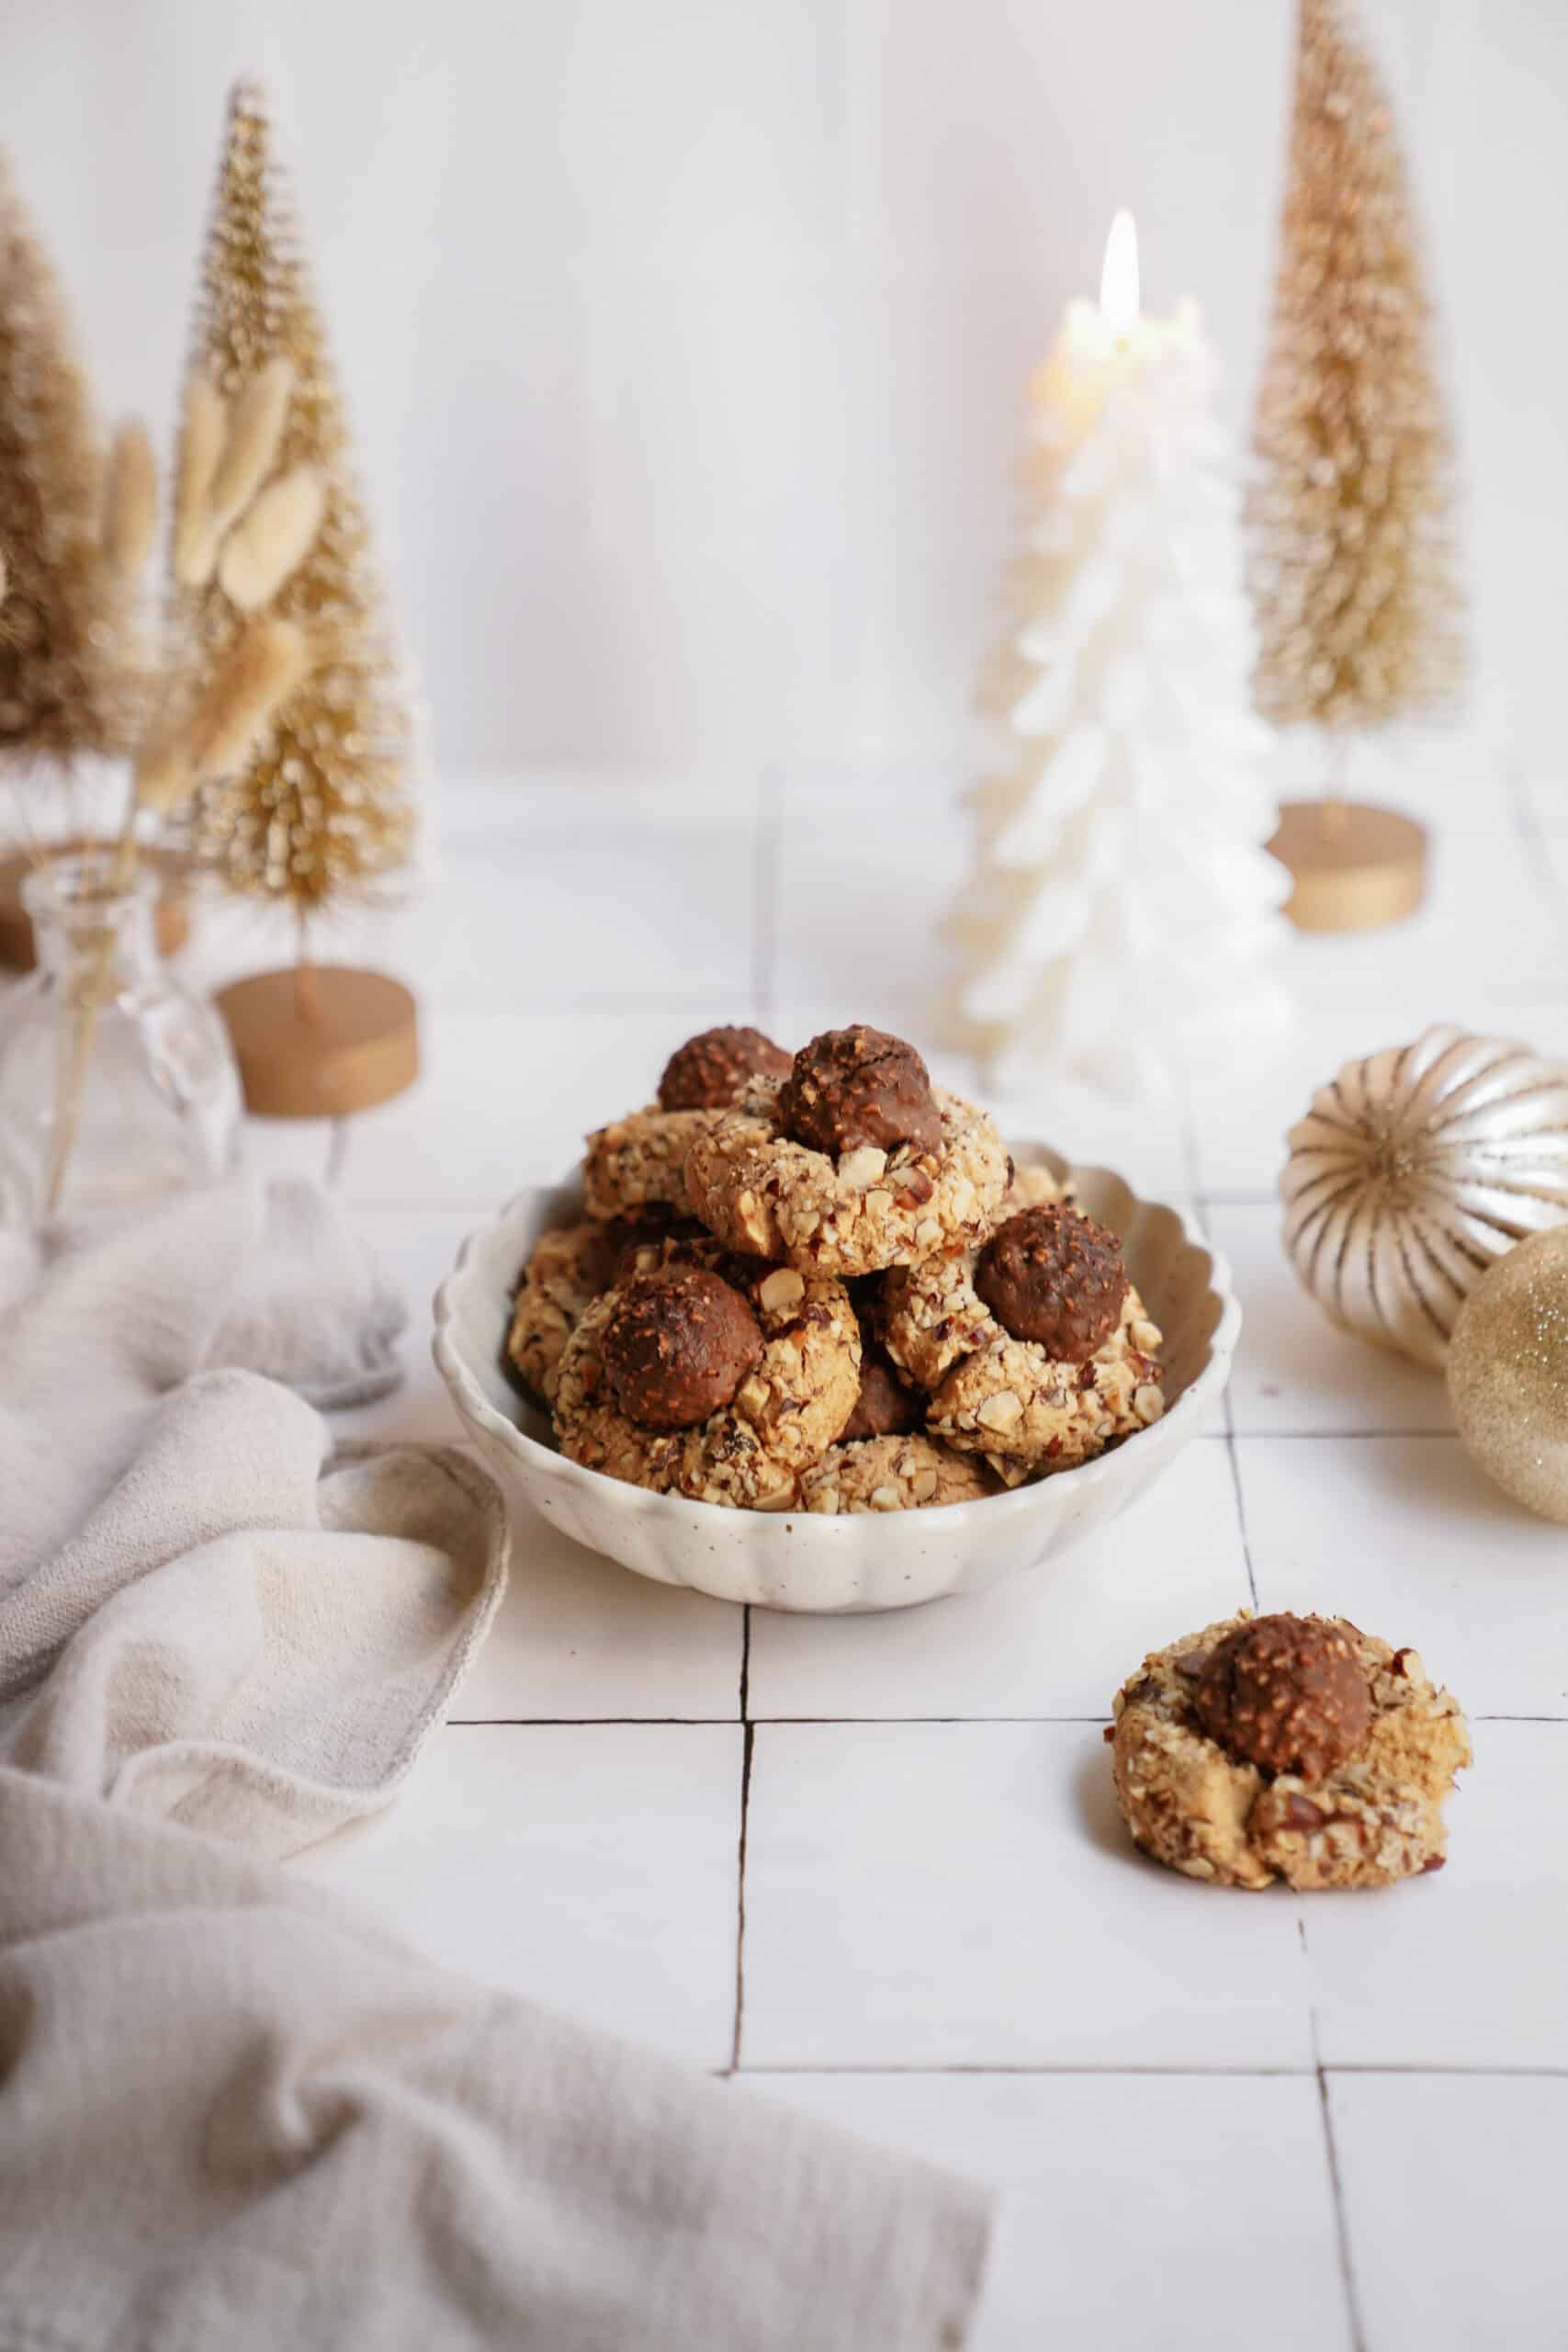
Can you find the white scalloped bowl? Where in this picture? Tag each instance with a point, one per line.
(858, 1560)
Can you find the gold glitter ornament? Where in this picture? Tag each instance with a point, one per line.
(1508, 1373)
(1351, 556)
(1413, 1171)
(323, 808)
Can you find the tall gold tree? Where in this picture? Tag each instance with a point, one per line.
(1353, 564)
(322, 808)
(61, 646)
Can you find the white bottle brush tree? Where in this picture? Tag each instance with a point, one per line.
(1119, 898)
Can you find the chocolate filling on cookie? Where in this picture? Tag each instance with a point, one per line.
(677, 1346)
(1053, 1275)
(851, 1087)
(1286, 1693)
(884, 1407)
(705, 1073)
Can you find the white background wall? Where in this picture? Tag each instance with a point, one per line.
(687, 338)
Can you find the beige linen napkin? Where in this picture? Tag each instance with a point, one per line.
(231, 2113)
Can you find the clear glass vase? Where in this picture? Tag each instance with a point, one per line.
(117, 1082)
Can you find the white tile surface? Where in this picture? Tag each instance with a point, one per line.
(1453, 2190)
(1110, 2187)
(594, 1869)
(1405, 1535)
(1463, 1967)
(930, 1883)
(506, 1100)
(580, 1636)
(602, 932)
(962, 1894)
(1055, 1641)
(1487, 922)
(1295, 1371)
(851, 842)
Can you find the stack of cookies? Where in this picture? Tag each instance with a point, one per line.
(818, 1282)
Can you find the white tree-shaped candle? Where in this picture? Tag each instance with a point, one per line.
(1121, 897)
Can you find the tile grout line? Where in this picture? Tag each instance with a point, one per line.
(1331, 2151)
(853, 1722)
(1527, 827)
(1022, 2068)
(1241, 1513)
(1115, 2072)
(748, 1737)
(748, 1743)
(1202, 1217)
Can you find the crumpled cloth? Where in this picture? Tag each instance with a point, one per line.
(204, 1613)
(232, 2112)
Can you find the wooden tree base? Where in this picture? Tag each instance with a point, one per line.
(171, 920)
(1355, 867)
(336, 1041)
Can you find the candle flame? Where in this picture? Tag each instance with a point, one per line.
(1119, 278)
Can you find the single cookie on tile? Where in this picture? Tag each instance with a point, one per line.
(904, 1472)
(852, 1164)
(641, 1159)
(724, 1390)
(1038, 1353)
(1286, 1747)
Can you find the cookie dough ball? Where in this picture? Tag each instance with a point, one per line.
(677, 1345)
(761, 1190)
(748, 1451)
(858, 1086)
(1051, 1274)
(1285, 1747)
(905, 1472)
(707, 1071)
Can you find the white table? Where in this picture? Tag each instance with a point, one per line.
(873, 1865)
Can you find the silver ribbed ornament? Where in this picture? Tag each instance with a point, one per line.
(1413, 1171)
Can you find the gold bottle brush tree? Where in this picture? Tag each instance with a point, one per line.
(319, 816)
(1352, 561)
(76, 518)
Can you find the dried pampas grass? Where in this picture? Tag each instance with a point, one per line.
(215, 734)
(255, 431)
(202, 437)
(264, 547)
(130, 500)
